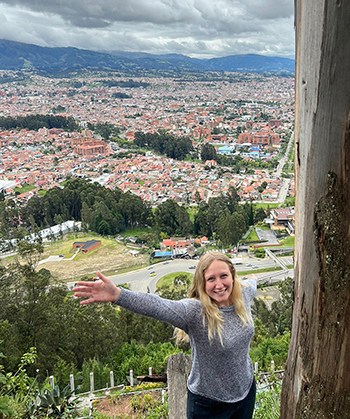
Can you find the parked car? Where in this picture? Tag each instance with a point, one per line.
(150, 267)
(165, 263)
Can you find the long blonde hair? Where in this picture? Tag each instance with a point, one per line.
(210, 311)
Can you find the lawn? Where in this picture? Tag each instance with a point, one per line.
(252, 237)
(107, 258)
(167, 280)
(266, 205)
(25, 188)
(259, 271)
(288, 242)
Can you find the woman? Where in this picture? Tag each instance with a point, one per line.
(216, 320)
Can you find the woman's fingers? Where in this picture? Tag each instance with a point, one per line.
(90, 300)
(102, 277)
(82, 294)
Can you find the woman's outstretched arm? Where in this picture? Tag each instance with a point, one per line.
(173, 312)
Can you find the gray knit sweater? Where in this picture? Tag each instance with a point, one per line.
(223, 373)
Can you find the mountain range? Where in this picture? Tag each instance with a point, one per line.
(19, 56)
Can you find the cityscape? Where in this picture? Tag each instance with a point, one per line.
(250, 121)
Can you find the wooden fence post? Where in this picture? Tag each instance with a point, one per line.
(71, 380)
(92, 387)
(178, 370)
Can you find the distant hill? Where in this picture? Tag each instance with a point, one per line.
(17, 56)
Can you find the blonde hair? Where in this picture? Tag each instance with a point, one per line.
(210, 311)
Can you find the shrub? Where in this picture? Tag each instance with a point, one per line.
(267, 405)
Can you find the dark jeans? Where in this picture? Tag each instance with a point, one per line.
(199, 407)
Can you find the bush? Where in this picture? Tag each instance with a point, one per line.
(267, 405)
(101, 375)
(271, 349)
(53, 403)
(259, 252)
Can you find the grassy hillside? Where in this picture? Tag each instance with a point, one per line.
(107, 258)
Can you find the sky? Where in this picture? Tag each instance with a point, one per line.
(196, 28)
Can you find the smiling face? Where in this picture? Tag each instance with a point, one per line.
(219, 282)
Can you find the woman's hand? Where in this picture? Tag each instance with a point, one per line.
(99, 291)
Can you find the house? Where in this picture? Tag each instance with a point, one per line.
(87, 246)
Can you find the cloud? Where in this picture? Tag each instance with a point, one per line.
(270, 9)
(105, 12)
(191, 27)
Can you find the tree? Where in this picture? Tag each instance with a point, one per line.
(208, 152)
(197, 197)
(232, 199)
(86, 216)
(259, 215)
(230, 228)
(248, 209)
(278, 320)
(202, 225)
(172, 219)
(316, 381)
(262, 187)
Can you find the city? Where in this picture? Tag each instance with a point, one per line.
(250, 121)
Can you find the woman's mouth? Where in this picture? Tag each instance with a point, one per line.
(221, 291)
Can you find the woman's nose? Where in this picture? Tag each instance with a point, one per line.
(218, 283)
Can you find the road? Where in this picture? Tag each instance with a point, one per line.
(285, 158)
(142, 281)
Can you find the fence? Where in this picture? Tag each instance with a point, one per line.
(178, 370)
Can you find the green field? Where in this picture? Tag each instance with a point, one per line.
(167, 280)
(252, 237)
(25, 188)
(288, 242)
(259, 271)
(266, 205)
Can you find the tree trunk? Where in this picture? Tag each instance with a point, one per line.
(317, 378)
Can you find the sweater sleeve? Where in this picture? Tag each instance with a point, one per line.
(151, 305)
(251, 288)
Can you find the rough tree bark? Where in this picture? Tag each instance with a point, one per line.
(317, 378)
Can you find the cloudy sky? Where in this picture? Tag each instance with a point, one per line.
(197, 28)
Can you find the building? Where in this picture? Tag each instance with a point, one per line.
(91, 148)
(87, 246)
(284, 217)
(259, 138)
(275, 123)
